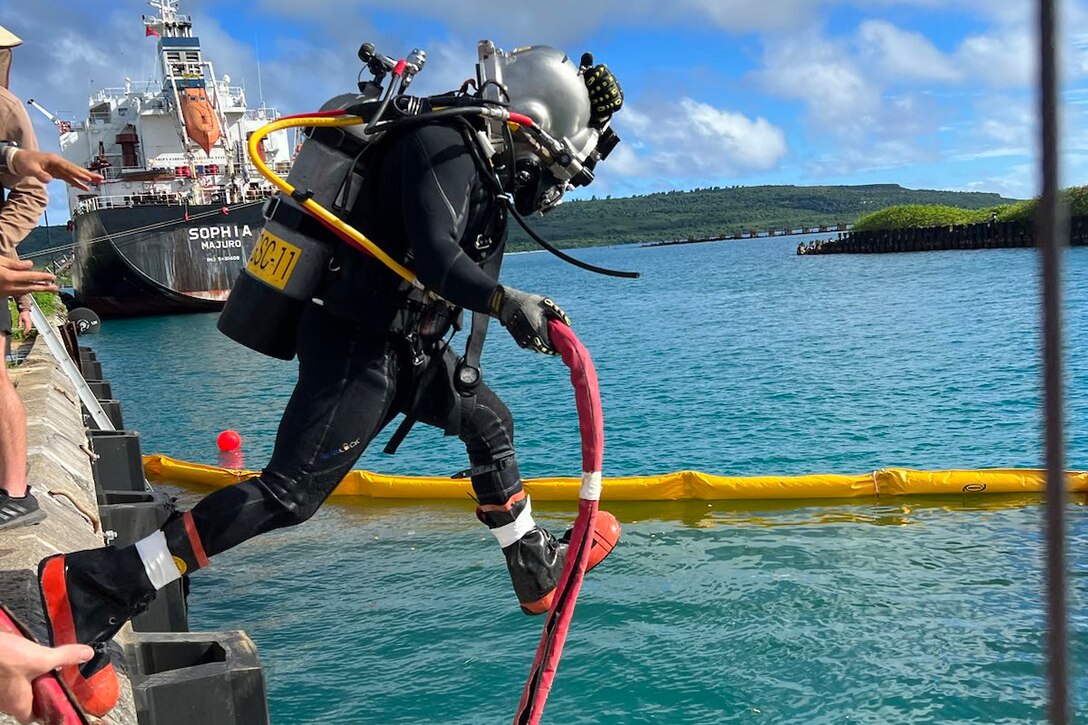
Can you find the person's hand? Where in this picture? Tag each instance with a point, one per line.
(45, 167)
(25, 323)
(17, 278)
(525, 316)
(21, 661)
(605, 94)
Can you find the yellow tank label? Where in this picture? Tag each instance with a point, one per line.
(273, 260)
(180, 564)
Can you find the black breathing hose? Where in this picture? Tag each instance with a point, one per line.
(566, 257)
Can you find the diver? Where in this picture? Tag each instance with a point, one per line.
(370, 346)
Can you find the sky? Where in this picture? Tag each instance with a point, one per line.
(935, 94)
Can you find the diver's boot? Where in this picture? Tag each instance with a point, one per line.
(534, 557)
(87, 597)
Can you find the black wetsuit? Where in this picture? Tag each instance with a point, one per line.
(364, 352)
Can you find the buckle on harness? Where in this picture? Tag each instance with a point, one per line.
(414, 346)
(270, 206)
(499, 464)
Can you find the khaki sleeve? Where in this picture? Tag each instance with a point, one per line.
(26, 198)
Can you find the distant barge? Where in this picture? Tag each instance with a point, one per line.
(753, 234)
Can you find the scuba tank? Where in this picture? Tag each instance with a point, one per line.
(291, 258)
(292, 253)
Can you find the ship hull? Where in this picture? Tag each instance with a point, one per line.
(161, 260)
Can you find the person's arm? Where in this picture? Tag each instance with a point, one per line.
(27, 198)
(7, 153)
(22, 304)
(46, 166)
(17, 277)
(437, 175)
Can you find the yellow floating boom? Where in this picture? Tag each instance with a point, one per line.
(679, 486)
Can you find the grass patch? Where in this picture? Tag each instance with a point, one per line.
(50, 303)
(916, 216)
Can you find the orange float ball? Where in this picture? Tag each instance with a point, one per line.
(229, 440)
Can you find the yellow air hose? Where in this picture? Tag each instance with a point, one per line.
(330, 220)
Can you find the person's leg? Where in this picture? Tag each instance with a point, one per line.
(534, 558)
(342, 398)
(18, 507)
(12, 437)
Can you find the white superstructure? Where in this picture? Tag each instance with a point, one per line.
(178, 140)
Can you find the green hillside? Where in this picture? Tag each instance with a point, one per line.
(699, 213)
(43, 238)
(717, 211)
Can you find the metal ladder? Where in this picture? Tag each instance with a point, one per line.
(60, 354)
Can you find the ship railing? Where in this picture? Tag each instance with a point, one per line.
(232, 96)
(130, 200)
(264, 113)
(134, 87)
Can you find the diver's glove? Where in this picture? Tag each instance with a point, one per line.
(525, 315)
(605, 94)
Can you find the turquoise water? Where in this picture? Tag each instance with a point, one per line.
(733, 358)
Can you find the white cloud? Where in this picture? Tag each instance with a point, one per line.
(751, 15)
(1004, 59)
(819, 72)
(1020, 181)
(695, 140)
(902, 56)
(1003, 122)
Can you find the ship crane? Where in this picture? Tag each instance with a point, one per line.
(64, 126)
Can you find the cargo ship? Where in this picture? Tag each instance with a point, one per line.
(180, 208)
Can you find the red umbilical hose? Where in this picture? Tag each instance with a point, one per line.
(591, 424)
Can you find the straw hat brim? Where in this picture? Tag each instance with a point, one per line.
(9, 39)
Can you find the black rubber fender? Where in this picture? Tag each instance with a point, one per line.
(86, 320)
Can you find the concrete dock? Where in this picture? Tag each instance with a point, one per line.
(987, 235)
(60, 475)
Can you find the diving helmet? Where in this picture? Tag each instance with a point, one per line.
(545, 84)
